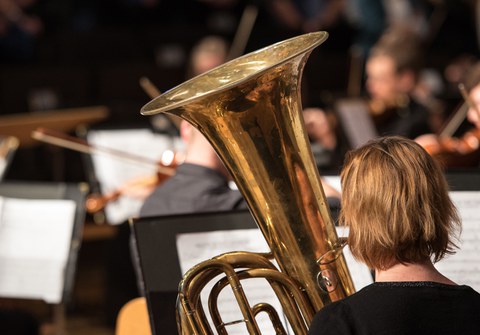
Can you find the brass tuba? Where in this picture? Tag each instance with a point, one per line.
(250, 111)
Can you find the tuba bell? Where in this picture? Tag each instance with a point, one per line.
(250, 109)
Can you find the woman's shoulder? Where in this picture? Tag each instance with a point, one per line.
(339, 315)
(332, 319)
(373, 307)
(423, 285)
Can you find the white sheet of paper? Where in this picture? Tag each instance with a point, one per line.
(113, 172)
(360, 273)
(194, 248)
(35, 238)
(334, 181)
(464, 266)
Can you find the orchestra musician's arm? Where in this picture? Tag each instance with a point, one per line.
(320, 127)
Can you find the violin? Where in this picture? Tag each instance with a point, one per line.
(456, 152)
(138, 187)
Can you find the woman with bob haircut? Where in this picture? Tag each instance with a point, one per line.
(395, 201)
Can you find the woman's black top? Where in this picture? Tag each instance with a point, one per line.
(402, 308)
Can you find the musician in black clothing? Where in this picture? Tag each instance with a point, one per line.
(395, 201)
(200, 183)
(392, 72)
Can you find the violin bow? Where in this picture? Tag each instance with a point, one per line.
(77, 144)
(457, 118)
(244, 30)
(152, 91)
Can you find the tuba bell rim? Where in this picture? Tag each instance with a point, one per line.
(185, 93)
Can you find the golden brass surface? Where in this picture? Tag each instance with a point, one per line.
(250, 111)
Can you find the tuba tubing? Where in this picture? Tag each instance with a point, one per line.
(249, 109)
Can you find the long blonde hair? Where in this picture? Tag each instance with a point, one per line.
(395, 200)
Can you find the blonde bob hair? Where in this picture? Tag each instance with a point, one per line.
(395, 200)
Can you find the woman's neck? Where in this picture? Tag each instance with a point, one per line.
(424, 271)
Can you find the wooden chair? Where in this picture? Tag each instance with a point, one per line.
(133, 318)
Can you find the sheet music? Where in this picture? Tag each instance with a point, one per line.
(360, 273)
(356, 121)
(113, 172)
(194, 248)
(464, 266)
(334, 181)
(35, 238)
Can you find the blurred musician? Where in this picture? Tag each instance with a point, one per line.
(395, 201)
(463, 151)
(209, 52)
(392, 70)
(473, 112)
(194, 180)
(199, 184)
(320, 127)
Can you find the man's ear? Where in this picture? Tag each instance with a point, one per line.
(185, 131)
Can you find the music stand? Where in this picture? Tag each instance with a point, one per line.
(155, 250)
(462, 267)
(356, 121)
(463, 179)
(107, 173)
(67, 191)
(21, 126)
